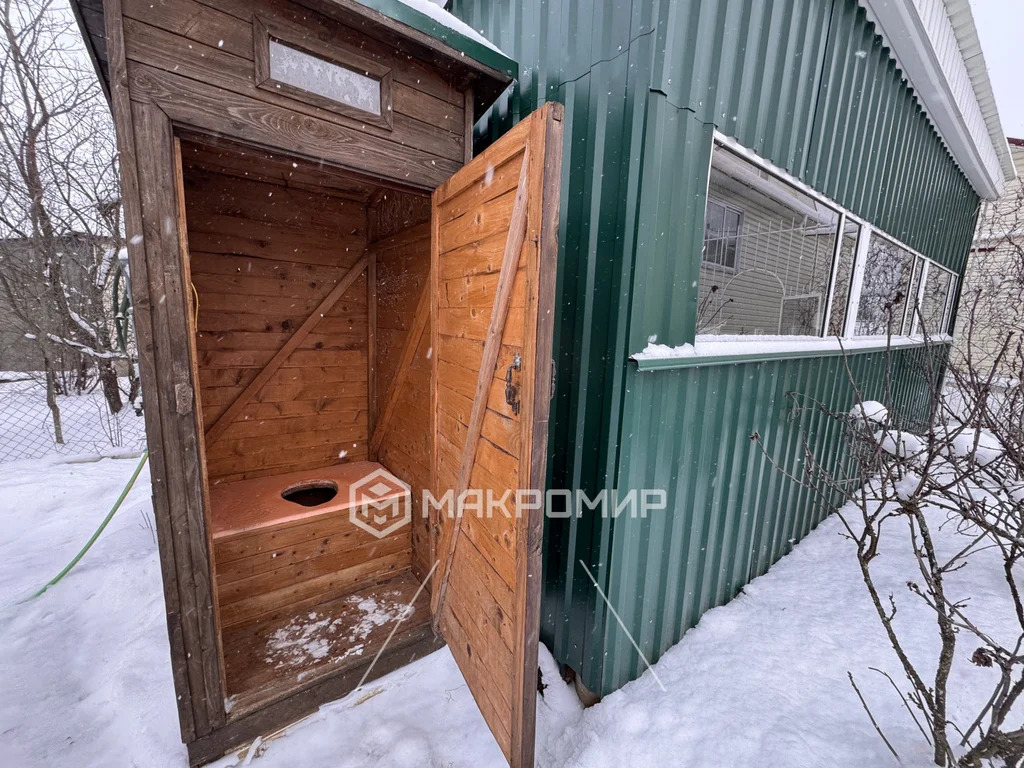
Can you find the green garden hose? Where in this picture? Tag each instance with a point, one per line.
(96, 535)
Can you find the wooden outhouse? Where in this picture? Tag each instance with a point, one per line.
(337, 308)
(756, 198)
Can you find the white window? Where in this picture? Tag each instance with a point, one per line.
(938, 287)
(768, 253)
(910, 315)
(722, 226)
(781, 260)
(886, 287)
(842, 283)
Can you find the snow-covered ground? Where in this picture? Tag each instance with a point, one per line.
(759, 682)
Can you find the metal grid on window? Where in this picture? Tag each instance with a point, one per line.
(874, 284)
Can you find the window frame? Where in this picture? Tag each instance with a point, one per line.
(917, 262)
(820, 297)
(864, 235)
(726, 208)
(947, 306)
(264, 31)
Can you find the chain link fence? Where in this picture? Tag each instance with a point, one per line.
(87, 425)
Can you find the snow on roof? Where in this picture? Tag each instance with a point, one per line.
(935, 44)
(435, 10)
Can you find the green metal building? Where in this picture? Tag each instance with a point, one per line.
(867, 130)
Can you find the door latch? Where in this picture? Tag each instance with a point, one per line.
(511, 390)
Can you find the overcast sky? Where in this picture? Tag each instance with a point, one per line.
(1001, 28)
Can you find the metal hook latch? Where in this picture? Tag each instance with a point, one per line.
(511, 390)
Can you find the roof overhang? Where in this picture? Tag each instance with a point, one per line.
(935, 44)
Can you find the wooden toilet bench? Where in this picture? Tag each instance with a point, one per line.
(275, 556)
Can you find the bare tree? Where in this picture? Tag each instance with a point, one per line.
(960, 463)
(60, 211)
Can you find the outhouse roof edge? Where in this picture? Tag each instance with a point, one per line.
(449, 30)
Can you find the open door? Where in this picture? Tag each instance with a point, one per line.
(493, 254)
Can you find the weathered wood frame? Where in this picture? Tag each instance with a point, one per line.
(151, 107)
(264, 31)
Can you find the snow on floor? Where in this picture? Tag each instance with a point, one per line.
(315, 636)
(761, 681)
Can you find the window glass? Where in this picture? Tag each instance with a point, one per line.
(844, 278)
(883, 298)
(911, 312)
(324, 78)
(933, 304)
(768, 251)
(722, 226)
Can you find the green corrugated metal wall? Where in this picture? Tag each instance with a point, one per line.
(807, 85)
(733, 514)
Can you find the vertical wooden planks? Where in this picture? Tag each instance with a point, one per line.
(542, 233)
(401, 439)
(191, 316)
(371, 345)
(467, 112)
(145, 334)
(180, 436)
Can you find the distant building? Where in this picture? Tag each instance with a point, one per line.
(995, 273)
(26, 301)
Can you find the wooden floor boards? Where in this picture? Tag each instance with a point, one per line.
(270, 659)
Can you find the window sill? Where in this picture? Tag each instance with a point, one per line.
(722, 350)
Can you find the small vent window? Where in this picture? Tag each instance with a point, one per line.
(332, 78)
(325, 78)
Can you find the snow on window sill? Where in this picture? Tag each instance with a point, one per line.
(716, 350)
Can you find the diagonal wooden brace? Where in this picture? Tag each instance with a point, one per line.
(492, 346)
(220, 425)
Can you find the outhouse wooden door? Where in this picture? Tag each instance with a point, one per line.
(493, 255)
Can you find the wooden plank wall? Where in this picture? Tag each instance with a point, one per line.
(195, 58)
(403, 267)
(263, 256)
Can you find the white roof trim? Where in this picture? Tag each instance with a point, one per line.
(935, 44)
